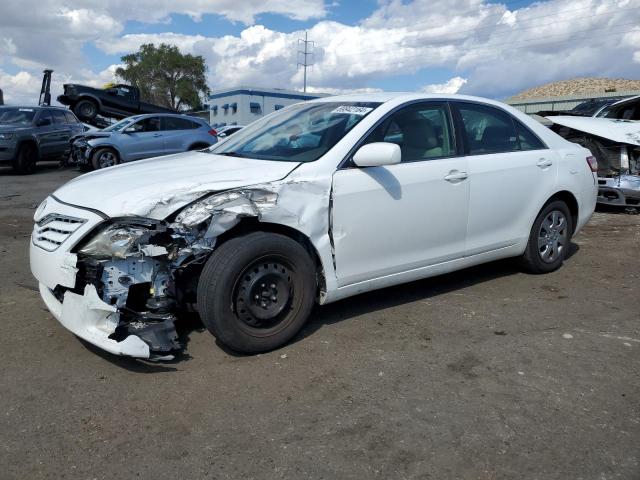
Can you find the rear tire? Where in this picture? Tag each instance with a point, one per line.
(104, 157)
(549, 239)
(198, 146)
(257, 291)
(86, 109)
(26, 159)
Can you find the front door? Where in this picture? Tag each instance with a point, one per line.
(143, 139)
(392, 219)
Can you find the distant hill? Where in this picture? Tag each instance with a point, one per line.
(578, 86)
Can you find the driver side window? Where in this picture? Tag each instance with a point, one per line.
(422, 131)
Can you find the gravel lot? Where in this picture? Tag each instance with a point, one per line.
(488, 373)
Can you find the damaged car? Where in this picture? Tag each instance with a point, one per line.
(311, 204)
(613, 137)
(138, 137)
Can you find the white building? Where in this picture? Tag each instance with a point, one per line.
(243, 105)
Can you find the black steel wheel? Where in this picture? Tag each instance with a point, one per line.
(257, 291)
(86, 109)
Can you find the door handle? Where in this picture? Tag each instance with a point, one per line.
(455, 176)
(157, 134)
(544, 163)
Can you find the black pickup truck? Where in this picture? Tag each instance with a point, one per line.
(118, 101)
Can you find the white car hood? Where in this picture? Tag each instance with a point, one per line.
(623, 131)
(157, 187)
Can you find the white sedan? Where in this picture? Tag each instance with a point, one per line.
(311, 204)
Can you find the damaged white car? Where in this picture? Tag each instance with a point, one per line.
(613, 137)
(311, 204)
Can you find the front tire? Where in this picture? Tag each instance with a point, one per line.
(103, 158)
(257, 291)
(26, 159)
(549, 239)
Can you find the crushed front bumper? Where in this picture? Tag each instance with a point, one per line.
(91, 319)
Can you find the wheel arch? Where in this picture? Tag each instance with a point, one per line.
(25, 141)
(86, 96)
(198, 146)
(572, 203)
(252, 224)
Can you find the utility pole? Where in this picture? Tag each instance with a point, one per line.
(305, 53)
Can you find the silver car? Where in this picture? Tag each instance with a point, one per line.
(141, 136)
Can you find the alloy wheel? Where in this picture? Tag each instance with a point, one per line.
(552, 236)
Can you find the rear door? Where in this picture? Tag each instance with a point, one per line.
(62, 131)
(510, 173)
(143, 139)
(179, 133)
(47, 134)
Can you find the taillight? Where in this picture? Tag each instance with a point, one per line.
(213, 132)
(593, 163)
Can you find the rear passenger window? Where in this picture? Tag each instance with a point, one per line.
(58, 116)
(422, 131)
(487, 129)
(528, 140)
(175, 123)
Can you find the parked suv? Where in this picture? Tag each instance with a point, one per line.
(141, 136)
(31, 134)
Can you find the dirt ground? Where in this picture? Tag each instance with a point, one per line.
(488, 373)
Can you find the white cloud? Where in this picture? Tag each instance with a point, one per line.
(453, 85)
(16, 87)
(490, 49)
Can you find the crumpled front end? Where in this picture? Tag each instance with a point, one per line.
(122, 283)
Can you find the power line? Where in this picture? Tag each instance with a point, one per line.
(307, 57)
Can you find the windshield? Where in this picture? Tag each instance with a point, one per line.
(16, 116)
(116, 127)
(299, 133)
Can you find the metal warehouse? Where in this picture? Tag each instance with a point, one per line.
(243, 105)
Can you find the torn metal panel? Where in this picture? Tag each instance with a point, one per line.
(621, 131)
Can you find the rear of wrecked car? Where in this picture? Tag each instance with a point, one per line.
(615, 143)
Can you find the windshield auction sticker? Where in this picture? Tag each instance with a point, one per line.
(350, 109)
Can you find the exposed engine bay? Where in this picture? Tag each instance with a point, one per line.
(148, 269)
(615, 144)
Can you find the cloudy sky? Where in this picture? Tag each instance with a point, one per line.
(466, 46)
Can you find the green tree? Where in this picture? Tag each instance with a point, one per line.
(165, 76)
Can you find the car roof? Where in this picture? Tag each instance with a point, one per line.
(383, 97)
(179, 115)
(37, 107)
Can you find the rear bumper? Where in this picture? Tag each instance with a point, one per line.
(91, 319)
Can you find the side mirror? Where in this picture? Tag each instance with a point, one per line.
(43, 122)
(222, 135)
(130, 129)
(377, 154)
